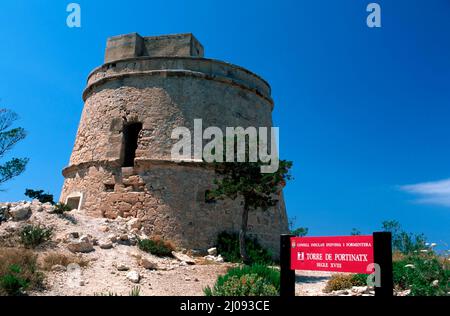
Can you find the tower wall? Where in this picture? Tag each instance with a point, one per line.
(162, 93)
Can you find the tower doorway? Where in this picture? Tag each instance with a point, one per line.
(131, 137)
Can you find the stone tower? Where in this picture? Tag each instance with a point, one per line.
(121, 161)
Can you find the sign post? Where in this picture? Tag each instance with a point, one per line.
(287, 275)
(382, 249)
(345, 254)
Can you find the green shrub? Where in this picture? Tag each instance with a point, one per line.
(12, 283)
(417, 273)
(256, 280)
(340, 281)
(32, 236)
(156, 246)
(228, 246)
(359, 279)
(61, 208)
(40, 196)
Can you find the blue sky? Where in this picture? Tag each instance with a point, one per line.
(363, 113)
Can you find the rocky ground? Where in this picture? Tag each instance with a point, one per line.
(112, 264)
(115, 265)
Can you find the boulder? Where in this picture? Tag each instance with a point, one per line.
(122, 267)
(148, 264)
(80, 246)
(20, 212)
(105, 244)
(134, 276)
(212, 251)
(182, 257)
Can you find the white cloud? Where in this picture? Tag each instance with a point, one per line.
(435, 193)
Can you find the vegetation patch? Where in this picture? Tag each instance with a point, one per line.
(157, 246)
(228, 246)
(18, 272)
(256, 280)
(55, 258)
(424, 274)
(61, 209)
(340, 282)
(32, 236)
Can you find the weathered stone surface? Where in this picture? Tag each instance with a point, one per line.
(134, 223)
(148, 264)
(183, 258)
(105, 244)
(122, 267)
(20, 212)
(80, 246)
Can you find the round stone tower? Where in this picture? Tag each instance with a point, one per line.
(121, 162)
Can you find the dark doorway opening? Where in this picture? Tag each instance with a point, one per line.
(131, 136)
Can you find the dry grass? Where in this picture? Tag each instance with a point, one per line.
(55, 258)
(397, 256)
(167, 243)
(26, 260)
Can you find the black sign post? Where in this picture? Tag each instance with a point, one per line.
(287, 275)
(382, 255)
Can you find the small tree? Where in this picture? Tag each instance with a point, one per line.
(299, 231)
(355, 232)
(402, 241)
(9, 138)
(258, 190)
(40, 195)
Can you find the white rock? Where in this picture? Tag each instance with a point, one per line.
(133, 276)
(21, 212)
(212, 251)
(410, 266)
(360, 289)
(435, 283)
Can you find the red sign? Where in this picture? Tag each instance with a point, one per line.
(336, 254)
